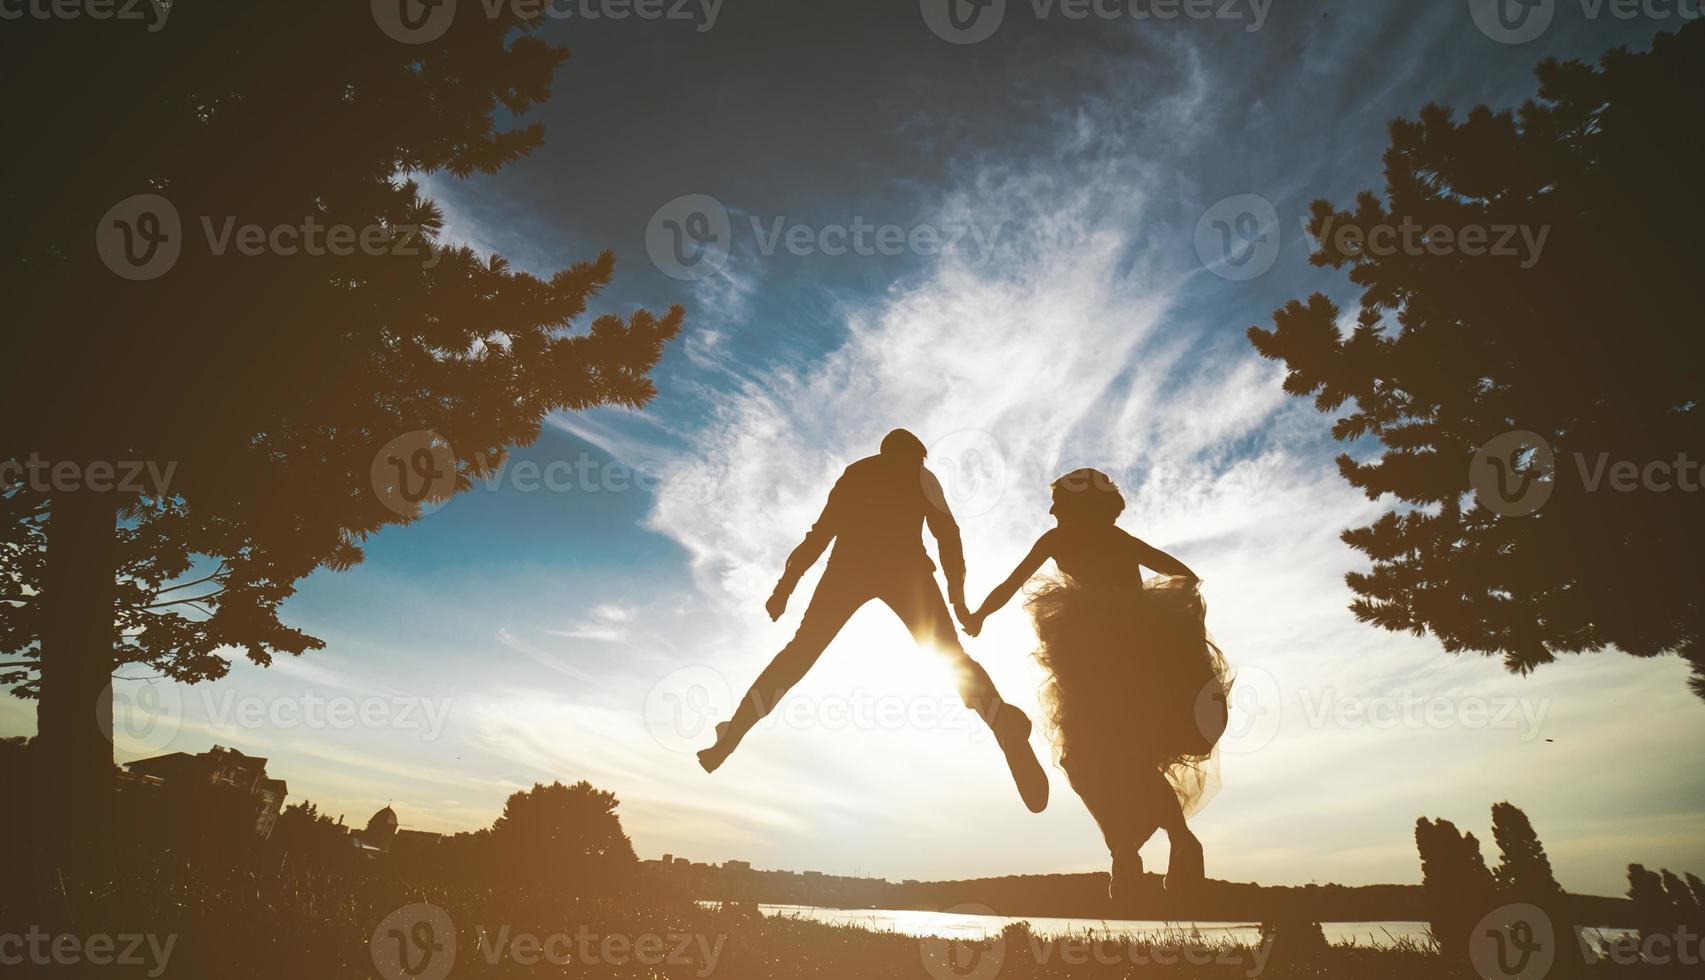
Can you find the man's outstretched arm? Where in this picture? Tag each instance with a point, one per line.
(946, 530)
(803, 557)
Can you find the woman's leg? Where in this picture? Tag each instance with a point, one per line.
(1126, 823)
(1185, 867)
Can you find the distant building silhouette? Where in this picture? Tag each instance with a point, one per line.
(381, 831)
(386, 835)
(219, 768)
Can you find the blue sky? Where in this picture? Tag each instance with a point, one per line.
(585, 630)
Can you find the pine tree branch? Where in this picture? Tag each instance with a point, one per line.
(179, 602)
(173, 588)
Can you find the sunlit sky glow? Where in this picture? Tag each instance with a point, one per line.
(539, 626)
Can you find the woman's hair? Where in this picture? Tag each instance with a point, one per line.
(1089, 494)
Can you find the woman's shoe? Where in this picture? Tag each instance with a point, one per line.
(1127, 877)
(1185, 870)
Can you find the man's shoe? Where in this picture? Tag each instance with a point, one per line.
(713, 758)
(1012, 731)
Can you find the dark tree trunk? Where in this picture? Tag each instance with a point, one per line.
(78, 638)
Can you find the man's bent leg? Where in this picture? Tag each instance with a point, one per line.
(831, 606)
(917, 601)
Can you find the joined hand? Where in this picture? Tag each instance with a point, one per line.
(969, 621)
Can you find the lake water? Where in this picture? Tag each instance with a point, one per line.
(978, 927)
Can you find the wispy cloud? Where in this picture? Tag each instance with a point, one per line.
(1080, 345)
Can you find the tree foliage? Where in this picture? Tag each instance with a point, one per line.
(1664, 903)
(268, 383)
(1523, 868)
(1458, 886)
(1588, 342)
(562, 837)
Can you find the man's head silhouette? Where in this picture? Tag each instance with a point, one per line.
(902, 446)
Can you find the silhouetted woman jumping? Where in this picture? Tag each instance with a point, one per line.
(1136, 691)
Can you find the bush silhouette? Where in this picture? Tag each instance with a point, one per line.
(565, 838)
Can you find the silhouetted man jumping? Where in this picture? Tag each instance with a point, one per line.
(875, 516)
